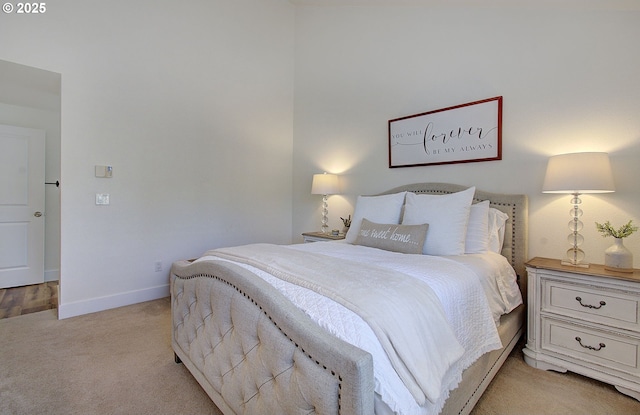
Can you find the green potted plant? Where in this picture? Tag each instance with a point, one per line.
(617, 257)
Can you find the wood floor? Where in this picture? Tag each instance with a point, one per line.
(28, 299)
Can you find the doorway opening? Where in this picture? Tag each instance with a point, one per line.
(30, 98)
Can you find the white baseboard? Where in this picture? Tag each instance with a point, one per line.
(51, 275)
(92, 305)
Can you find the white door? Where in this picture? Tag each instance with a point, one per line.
(21, 206)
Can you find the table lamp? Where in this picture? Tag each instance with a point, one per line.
(576, 174)
(324, 184)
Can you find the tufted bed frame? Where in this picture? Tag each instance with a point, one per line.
(254, 352)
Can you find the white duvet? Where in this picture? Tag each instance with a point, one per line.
(474, 291)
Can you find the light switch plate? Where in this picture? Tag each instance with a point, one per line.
(102, 198)
(104, 171)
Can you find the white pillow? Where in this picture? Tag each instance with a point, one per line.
(380, 209)
(497, 221)
(477, 241)
(447, 216)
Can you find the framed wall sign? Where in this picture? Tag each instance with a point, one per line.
(460, 134)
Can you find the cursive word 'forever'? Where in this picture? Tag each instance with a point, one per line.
(459, 133)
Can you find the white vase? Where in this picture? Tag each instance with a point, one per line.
(618, 258)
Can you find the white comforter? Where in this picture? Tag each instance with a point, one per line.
(471, 302)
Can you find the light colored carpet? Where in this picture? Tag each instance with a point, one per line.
(521, 389)
(113, 362)
(120, 362)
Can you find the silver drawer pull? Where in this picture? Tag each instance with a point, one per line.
(595, 307)
(600, 346)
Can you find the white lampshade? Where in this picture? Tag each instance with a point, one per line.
(579, 173)
(325, 184)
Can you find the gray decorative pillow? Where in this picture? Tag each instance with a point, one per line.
(407, 239)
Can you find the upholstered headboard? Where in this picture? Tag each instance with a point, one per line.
(514, 205)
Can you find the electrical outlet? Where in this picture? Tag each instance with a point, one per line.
(158, 266)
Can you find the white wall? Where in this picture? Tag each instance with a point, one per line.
(568, 77)
(191, 103)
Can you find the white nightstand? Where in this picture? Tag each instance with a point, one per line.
(320, 237)
(586, 320)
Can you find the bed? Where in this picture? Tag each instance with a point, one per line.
(238, 325)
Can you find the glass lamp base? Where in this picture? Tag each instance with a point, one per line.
(325, 217)
(570, 263)
(575, 255)
(575, 258)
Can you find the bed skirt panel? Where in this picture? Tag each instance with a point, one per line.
(477, 377)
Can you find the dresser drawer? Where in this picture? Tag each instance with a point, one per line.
(595, 304)
(605, 348)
